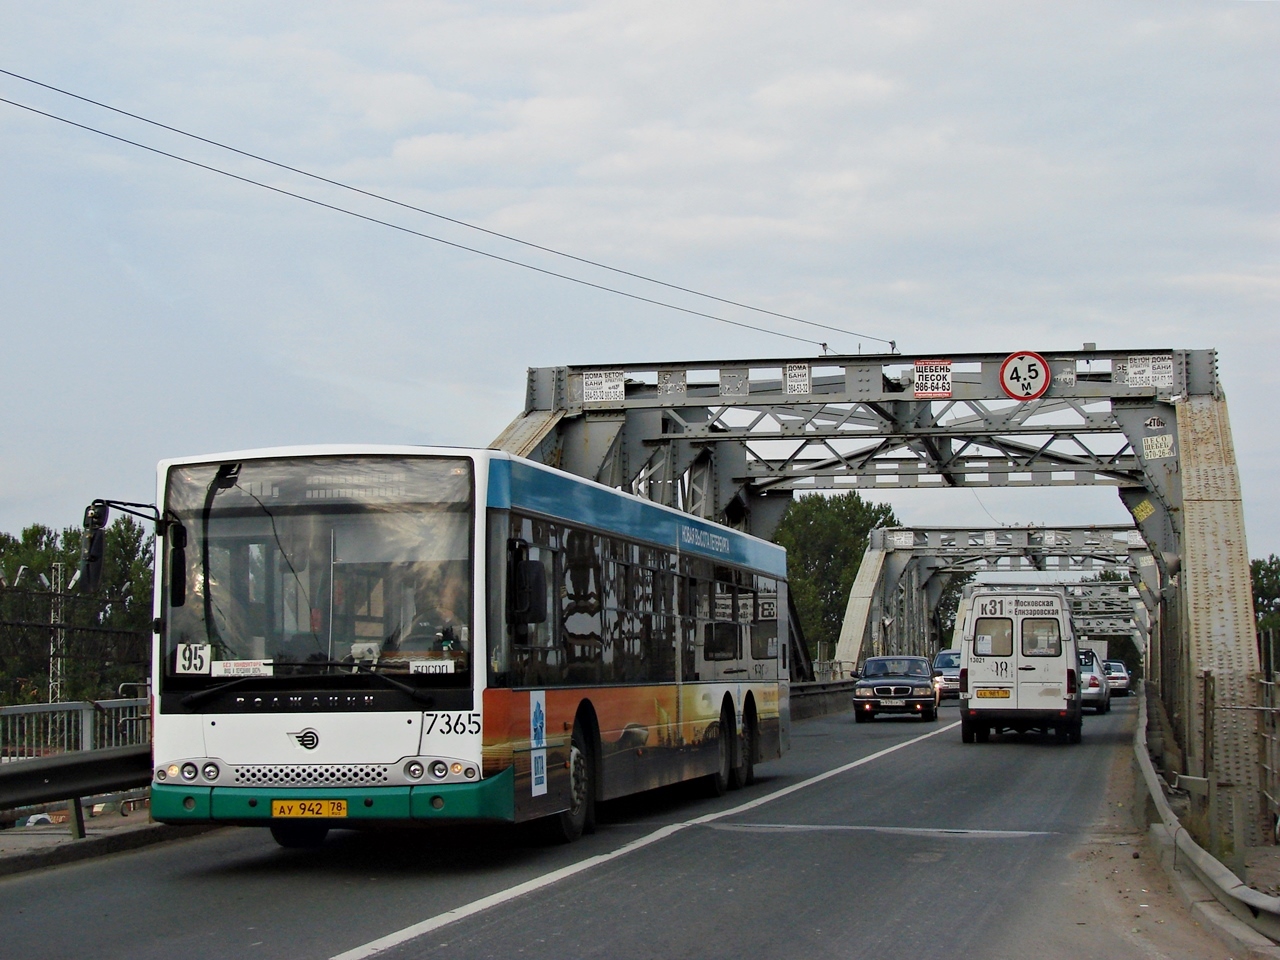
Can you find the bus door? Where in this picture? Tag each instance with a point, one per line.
(1042, 671)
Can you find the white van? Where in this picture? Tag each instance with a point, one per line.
(1018, 667)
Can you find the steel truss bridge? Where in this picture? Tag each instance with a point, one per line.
(894, 604)
(735, 440)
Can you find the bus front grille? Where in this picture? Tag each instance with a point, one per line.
(311, 775)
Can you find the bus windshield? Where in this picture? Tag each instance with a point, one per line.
(322, 565)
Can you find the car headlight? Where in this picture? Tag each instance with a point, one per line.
(864, 692)
(922, 691)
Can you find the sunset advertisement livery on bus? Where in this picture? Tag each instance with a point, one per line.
(353, 636)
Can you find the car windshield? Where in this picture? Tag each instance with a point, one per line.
(896, 667)
(947, 659)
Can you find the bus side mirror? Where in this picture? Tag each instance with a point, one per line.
(528, 592)
(177, 537)
(93, 546)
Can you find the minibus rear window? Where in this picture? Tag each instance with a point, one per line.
(1041, 638)
(993, 637)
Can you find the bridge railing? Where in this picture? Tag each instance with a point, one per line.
(38, 730)
(1269, 725)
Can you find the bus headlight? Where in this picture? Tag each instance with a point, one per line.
(439, 769)
(189, 771)
(414, 770)
(210, 771)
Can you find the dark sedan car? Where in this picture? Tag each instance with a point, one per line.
(896, 685)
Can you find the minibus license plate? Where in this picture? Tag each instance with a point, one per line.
(893, 703)
(309, 808)
(993, 694)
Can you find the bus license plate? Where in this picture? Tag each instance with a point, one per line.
(993, 694)
(309, 808)
(893, 703)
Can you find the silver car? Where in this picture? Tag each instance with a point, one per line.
(1118, 677)
(1095, 691)
(947, 662)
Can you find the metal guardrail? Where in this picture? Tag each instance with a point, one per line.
(816, 698)
(46, 729)
(70, 776)
(1258, 910)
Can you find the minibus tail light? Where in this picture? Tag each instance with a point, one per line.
(1071, 680)
(964, 680)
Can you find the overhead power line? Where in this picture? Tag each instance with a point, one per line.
(409, 230)
(439, 216)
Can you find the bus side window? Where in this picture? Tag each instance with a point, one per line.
(720, 641)
(764, 625)
(580, 608)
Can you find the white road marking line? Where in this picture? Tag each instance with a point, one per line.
(374, 947)
(905, 831)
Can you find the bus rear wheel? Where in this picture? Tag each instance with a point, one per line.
(299, 836)
(745, 773)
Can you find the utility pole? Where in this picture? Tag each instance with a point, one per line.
(57, 632)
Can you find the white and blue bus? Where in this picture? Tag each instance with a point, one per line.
(349, 636)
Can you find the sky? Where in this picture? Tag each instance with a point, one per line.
(979, 176)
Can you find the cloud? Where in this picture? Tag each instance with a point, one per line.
(979, 176)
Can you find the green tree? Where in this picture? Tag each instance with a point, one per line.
(825, 539)
(1266, 591)
(107, 633)
(949, 605)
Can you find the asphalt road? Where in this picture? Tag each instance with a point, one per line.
(935, 849)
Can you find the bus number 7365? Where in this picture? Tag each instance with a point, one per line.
(451, 723)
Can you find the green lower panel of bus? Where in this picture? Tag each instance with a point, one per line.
(490, 799)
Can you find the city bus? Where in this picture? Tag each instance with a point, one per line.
(357, 636)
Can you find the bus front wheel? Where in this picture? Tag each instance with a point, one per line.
(569, 825)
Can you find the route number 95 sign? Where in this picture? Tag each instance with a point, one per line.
(1024, 376)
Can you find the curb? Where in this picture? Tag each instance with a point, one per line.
(100, 846)
(1215, 897)
(1236, 935)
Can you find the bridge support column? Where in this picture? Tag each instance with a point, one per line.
(1218, 602)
